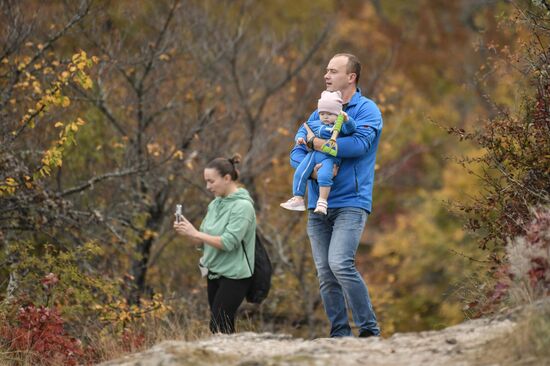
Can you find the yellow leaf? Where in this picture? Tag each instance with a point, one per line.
(149, 234)
(66, 102)
(283, 131)
(58, 124)
(87, 82)
(45, 170)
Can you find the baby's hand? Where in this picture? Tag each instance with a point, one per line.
(345, 116)
(301, 141)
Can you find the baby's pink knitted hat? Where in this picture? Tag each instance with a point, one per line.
(330, 102)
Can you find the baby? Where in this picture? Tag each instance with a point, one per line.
(329, 107)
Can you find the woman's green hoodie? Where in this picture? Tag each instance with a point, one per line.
(233, 218)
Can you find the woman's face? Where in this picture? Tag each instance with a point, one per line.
(215, 183)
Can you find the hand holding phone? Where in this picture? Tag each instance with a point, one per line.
(178, 214)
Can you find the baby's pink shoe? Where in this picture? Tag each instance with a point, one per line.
(294, 204)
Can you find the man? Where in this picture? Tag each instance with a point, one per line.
(335, 237)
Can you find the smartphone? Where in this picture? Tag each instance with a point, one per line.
(179, 215)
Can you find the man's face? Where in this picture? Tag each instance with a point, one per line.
(337, 77)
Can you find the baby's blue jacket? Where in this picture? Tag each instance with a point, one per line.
(324, 131)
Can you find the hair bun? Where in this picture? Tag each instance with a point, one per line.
(236, 159)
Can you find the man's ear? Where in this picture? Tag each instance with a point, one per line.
(352, 77)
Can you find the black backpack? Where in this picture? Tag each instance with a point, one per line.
(261, 277)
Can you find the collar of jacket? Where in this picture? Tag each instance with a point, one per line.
(355, 98)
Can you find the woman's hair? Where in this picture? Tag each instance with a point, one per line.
(226, 166)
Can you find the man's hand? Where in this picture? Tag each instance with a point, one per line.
(345, 116)
(300, 141)
(317, 166)
(310, 133)
(317, 142)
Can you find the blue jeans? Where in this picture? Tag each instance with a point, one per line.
(334, 240)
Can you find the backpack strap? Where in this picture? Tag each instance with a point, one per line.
(246, 256)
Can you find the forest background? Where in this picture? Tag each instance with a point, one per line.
(110, 109)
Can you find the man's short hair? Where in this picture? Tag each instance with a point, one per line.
(353, 66)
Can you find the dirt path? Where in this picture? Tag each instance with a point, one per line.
(475, 342)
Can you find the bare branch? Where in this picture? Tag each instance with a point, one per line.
(90, 183)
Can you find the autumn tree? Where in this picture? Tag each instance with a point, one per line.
(36, 130)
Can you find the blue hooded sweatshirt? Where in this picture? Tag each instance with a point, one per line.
(353, 185)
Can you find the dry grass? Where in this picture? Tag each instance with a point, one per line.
(176, 325)
(529, 342)
(532, 337)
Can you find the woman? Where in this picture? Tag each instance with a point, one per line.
(228, 234)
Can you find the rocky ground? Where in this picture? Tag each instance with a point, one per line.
(474, 342)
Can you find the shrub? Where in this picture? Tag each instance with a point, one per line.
(513, 170)
(38, 336)
(529, 260)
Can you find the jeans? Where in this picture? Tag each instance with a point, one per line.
(334, 240)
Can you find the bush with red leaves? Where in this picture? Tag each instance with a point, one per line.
(514, 170)
(38, 334)
(132, 340)
(529, 256)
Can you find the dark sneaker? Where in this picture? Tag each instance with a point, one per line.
(366, 333)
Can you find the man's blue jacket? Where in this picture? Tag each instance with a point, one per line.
(353, 185)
